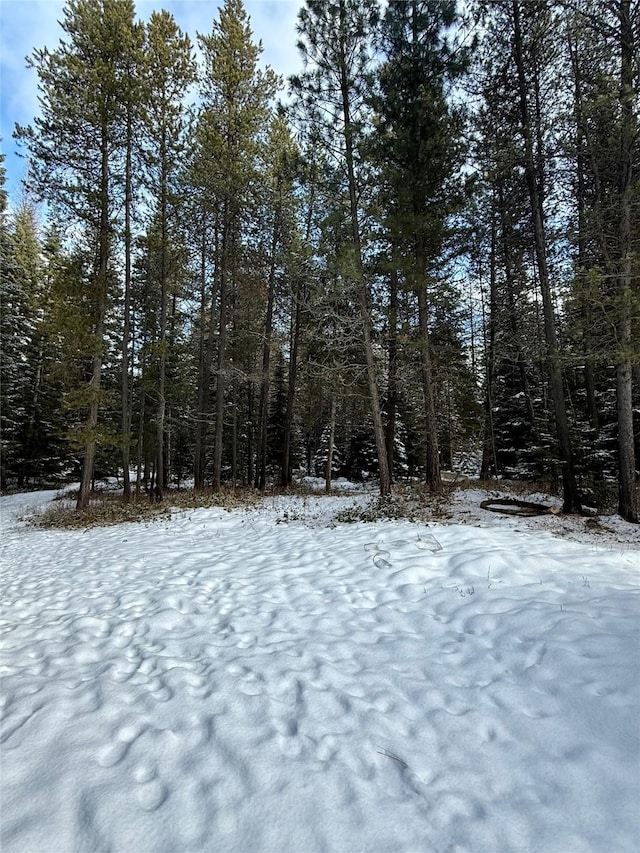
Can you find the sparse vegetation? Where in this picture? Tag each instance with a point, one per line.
(106, 508)
(413, 504)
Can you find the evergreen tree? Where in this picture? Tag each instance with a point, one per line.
(515, 410)
(281, 158)
(533, 161)
(14, 332)
(236, 98)
(418, 144)
(73, 145)
(277, 415)
(628, 196)
(169, 70)
(133, 95)
(27, 264)
(336, 48)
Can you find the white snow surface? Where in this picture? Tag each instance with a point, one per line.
(270, 680)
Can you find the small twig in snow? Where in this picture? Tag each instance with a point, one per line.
(397, 758)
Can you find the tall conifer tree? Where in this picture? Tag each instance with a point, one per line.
(236, 97)
(169, 70)
(73, 144)
(418, 145)
(336, 48)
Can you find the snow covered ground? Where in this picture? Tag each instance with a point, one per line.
(270, 680)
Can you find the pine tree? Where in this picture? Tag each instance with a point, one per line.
(299, 271)
(418, 144)
(236, 98)
(601, 43)
(73, 145)
(534, 173)
(14, 330)
(281, 156)
(27, 370)
(515, 410)
(336, 48)
(133, 93)
(628, 193)
(169, 70)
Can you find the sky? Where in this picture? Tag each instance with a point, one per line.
(29, 24)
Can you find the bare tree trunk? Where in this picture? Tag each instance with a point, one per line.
(101, 285)
(90, 426)
(263, 407)
(430, 418)
(294, 341)
(139, 463)
(126, 330)
(161, 407)
(200, 427)
(332, 435)
(234, 435)
(222, 353)
(250, 404)
(162, 360)
(392, 370)
(489, 454)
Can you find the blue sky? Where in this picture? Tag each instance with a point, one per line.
(29, 24)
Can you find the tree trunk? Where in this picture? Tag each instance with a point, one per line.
(222, 354)
(332, 435)
(581, 260)
(126, 330)
(139, 461)
(509, 272)
(627, 501)
(294, 340)
(101, 283)
(234, 435)
(250, 392)
(489, 455)
(392, 378)
(263, 408)
(203, 373)
(362, 289)
(430, 418)
(162, 361)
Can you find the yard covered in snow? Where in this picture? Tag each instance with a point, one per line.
(272, 680)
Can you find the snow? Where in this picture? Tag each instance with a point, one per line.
(271, 680)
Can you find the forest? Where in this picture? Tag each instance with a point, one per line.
(419, 254)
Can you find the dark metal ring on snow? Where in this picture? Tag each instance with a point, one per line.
(511, 506)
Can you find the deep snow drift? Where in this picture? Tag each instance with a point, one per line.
(268, 680)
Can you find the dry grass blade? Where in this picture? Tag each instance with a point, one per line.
(395, 757)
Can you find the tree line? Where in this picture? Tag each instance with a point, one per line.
(421, 252)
